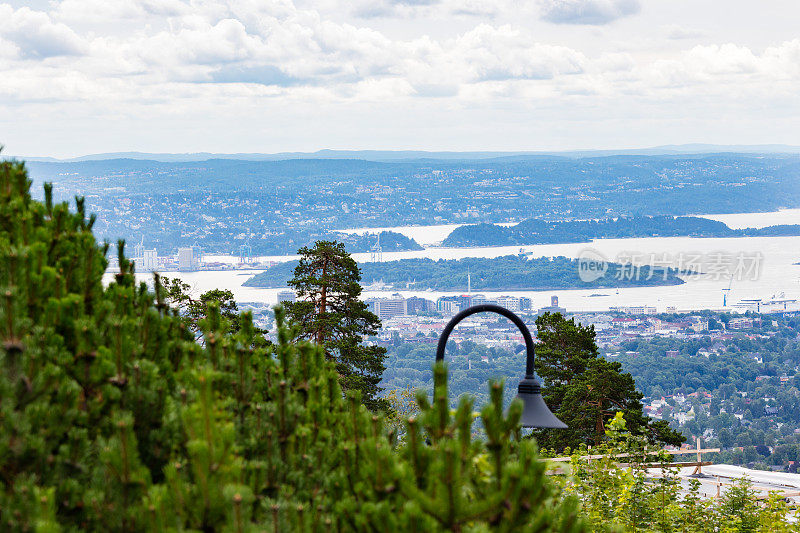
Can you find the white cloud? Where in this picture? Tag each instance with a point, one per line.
(116, 57)
(415, 9)
(489, 53)
(784, 60)
(718, 66)
(593, 12)
(722, 59)
(275, 44)
(199, 42)
(37, 36)
(97, 11)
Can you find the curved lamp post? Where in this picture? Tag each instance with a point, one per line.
(535, 413)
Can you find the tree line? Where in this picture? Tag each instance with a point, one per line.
(510, 272)
(537, 231)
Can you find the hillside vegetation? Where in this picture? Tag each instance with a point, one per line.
(510, 272)
(534, 231)
(276, 207)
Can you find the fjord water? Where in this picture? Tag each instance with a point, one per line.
(431, 235)
(757, 220)
(777, 274)
(424, 235)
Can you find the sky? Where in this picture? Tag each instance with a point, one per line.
(90, 76)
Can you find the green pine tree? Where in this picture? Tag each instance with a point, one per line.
(178, 294)
(330, 313)
(87, 372)
(585, 390)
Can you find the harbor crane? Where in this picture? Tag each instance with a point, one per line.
(726, 292)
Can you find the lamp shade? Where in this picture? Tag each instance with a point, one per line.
(535, 413)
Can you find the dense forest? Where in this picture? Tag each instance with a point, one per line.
(535, 231)
(511, 272)
(390, 241)
(747, 394)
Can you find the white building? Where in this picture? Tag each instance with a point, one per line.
(447, 307)
(699, 323)
(479, 299)
(197, 252)
(149, 260)
(553, 307)
(509, 302)
(187, 261)
(386, 308)
(635, 310)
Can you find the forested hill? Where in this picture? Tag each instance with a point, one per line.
(534, 231)
(510, 272)
(276, 207)
(390, 241)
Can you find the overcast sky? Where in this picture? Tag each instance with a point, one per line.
(89, 76)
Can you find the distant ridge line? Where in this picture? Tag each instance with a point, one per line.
(411, 155)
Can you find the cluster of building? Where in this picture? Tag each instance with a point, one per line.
(173, 205)
(278, 219)
(415, 319)
(483, 328)
(614, 329)
(187, 259)
(398, 305)
(685, 407)
(146, 260)
(420, 320)
(638, 310)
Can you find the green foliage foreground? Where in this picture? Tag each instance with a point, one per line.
(647, 494)
(114, 418)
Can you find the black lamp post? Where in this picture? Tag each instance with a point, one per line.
(535, 413)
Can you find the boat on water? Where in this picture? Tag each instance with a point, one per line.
(777, 303)
(377, 286)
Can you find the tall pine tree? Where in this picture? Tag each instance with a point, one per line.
(330, 313)
(586, 390)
